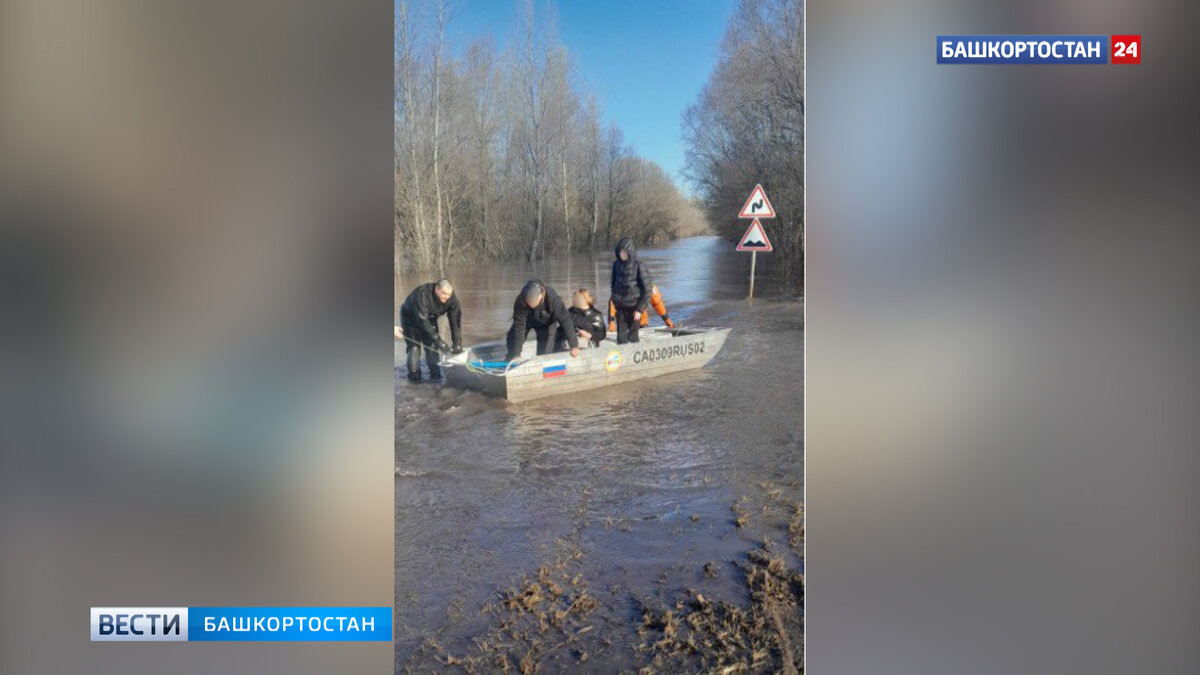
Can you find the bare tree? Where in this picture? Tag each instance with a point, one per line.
(617, 179)
(535, 137)
(593, 152)
(409, 112)
(481, 75)
(564, 103)
(748, 125)
(501, 154)
(437, 113)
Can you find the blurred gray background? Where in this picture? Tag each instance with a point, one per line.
(197, 380)
(1002, 344)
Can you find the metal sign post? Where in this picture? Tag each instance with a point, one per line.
(753, 259)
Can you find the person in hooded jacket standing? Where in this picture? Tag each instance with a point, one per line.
(631, 285)
(418, 326)
(539, 308)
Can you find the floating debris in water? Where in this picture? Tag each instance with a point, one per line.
(698, 634)
(543, 621)
(739, 510)
(796, 528)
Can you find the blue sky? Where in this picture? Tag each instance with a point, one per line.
(647, 59)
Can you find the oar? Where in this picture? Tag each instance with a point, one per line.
(432, 349)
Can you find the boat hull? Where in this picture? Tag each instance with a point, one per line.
(659, 352)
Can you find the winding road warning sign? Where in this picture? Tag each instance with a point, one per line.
(755, 238)
(758, 206)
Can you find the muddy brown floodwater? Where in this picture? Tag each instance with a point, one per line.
(653, 527)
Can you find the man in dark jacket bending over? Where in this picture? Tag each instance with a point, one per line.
(538, 308)
(419, 321)
(630, 290)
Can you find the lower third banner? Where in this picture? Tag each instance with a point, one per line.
(241, 624)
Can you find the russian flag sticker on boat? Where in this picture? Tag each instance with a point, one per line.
(554, 369)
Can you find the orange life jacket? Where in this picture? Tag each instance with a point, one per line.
(656, 301)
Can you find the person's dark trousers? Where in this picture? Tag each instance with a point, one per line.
(627, 327)
(561, 342)
(544, 345)
(543, 333)
(413, 354)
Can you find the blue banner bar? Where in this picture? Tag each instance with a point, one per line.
(1023, 49)
(289, 624)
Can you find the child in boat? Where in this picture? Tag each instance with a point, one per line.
(588, 320)
(630, 296)
(656, 301)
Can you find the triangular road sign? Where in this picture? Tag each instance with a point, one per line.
(755, 238)
(758, 206)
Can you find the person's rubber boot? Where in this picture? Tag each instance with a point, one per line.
(415, 378)
(435, 374)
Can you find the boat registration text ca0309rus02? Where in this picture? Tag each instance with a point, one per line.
(660, 353)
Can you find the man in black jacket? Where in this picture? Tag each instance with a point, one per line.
(538, 308)
(630, 290)
(419, 323)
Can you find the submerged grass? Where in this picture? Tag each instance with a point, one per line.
(539, 624)
(699, 635)
(549, 620)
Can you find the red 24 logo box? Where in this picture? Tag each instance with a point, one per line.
(1126, 48)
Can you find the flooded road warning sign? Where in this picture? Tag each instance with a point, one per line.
(755, 238)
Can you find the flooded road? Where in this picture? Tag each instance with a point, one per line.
(547, 534)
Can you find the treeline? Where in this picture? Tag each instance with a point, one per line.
(748, 127)
(503, 153)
